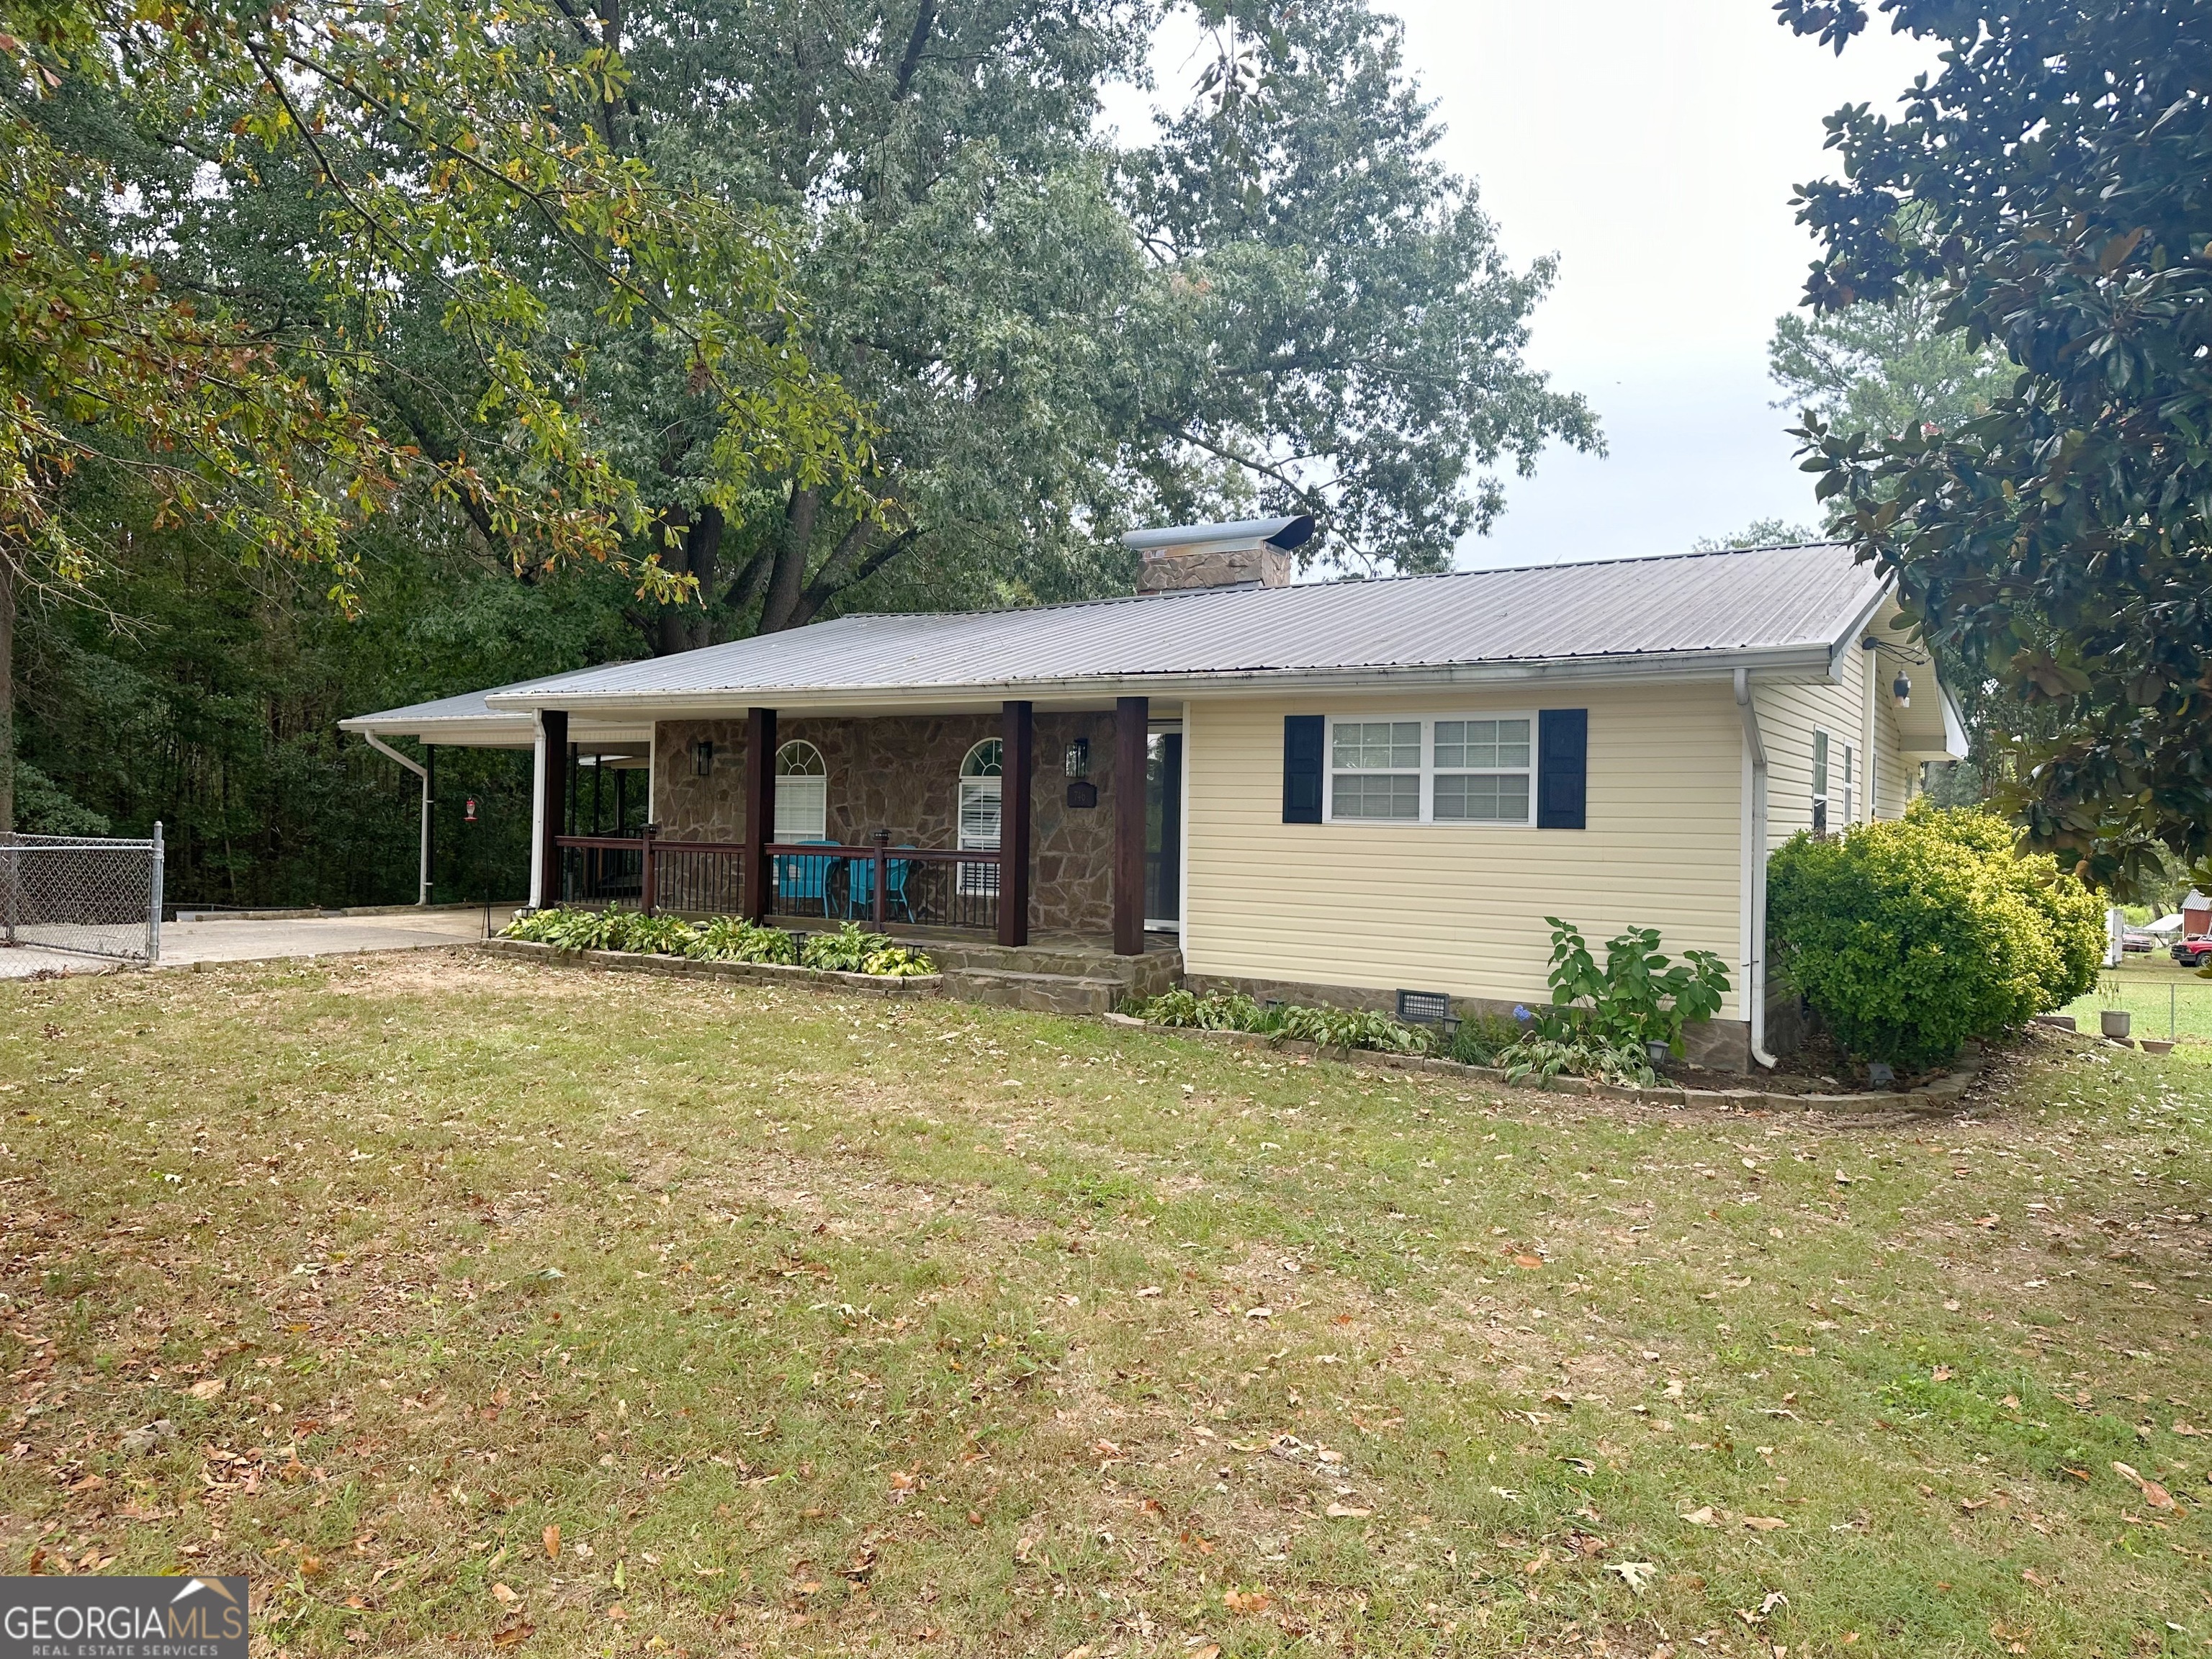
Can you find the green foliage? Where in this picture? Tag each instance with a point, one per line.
(1640, 996)
(1886, 368)
(1911, 938)
(1480, 1039)
(723, 939)
(1351, 1028)
(1759, 532)
(41, 809)
(851, 950)
(2047, 181)
(733, 938)
(1229, 1011)
(611, 929)
(1331, 1028)
(1589, 1055)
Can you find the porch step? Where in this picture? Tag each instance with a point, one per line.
(1049, 994)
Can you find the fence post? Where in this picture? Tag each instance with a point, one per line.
(648, 890)
(14, 895)
(883, 901)
(153, 910)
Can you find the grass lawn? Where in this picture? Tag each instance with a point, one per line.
(492, 1306)
(2167, 999)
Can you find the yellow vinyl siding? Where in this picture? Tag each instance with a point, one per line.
(1460, 908)
(1788, 713)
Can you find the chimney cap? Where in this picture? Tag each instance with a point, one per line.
(1284, 534)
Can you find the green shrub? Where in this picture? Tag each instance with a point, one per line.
(1640, 996)
(733, 938)
(851, 950)
(1911, 937)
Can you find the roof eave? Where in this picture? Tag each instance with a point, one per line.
(1810, 660)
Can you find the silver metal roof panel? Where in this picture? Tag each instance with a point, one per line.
(1772, 603)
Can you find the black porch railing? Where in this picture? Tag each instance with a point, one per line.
(924, 885)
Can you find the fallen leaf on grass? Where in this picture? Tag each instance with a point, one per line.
(207, 1387)
(1083, 1652)
(2153, 1494)
(513, 1636)
(1246, 1601)
(1149, 1290)
(1345, 1512)
(1635, 1574)
(2035, 1579)
(2187, 1433)
(1211, 1650)
(502, 1593)
(1702, 1516)
(1527, 1261)
(552, 1543)
(1764, 1523)
(1944, 1374)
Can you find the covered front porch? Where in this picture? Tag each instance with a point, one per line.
(1010, 826)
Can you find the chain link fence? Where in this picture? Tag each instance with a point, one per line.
(89, 896)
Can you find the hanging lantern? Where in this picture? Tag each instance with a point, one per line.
(1901, 688)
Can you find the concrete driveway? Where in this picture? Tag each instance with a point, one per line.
(245, 938)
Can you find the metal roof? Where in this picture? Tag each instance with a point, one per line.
(1785, 609)
(1785, 606)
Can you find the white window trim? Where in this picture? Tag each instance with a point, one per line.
(1821, 789)
(1428, 769)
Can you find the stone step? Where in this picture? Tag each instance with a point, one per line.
(1050, 993)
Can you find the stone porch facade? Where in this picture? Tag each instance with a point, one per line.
(900, 774)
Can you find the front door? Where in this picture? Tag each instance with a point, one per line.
(1163, 832)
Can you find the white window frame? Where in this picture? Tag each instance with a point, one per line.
(979, 878)
(1820, 765)
(1428, 769)
(790, 802)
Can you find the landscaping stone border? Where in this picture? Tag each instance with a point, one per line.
(1937, 1095)
(756, 973)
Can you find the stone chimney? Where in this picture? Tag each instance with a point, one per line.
(1254, 553)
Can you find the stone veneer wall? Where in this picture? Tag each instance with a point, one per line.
(900, 773)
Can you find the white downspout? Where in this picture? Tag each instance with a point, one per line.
(537, 816)
(1754, 874)
(423, 873)
(1870, 671)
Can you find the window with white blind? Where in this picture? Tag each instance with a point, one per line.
(802, 793)
(1436, 769)
(980, 802)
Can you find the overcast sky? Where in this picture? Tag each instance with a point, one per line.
(1653, 145)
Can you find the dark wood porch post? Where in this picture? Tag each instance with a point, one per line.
(1130, 715)
(1017, 781)
(553, 809)
(760, 807)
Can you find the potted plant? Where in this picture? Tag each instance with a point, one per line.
(2113, 1022)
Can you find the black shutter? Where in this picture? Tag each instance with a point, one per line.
(1562, 768)
(1302, 755)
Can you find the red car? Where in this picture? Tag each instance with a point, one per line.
(2194, 953)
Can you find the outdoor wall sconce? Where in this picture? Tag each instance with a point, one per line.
(1079, 758)
(702, 758)
(1901, 688)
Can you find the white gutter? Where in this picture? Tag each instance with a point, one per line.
(422, 872)
(1755, 873)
